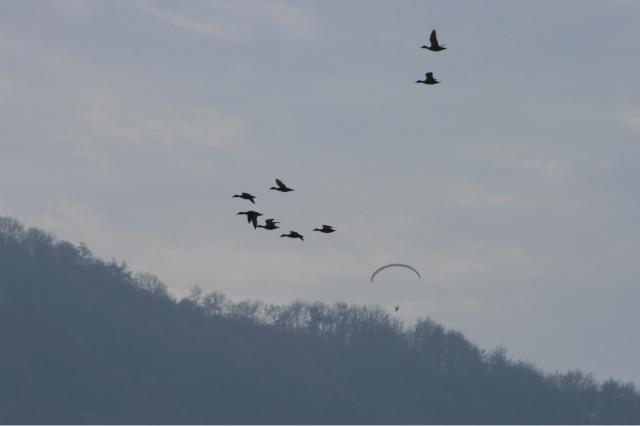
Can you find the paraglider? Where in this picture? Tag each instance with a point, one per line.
(394, 264)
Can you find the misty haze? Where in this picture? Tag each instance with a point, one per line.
(277, 211)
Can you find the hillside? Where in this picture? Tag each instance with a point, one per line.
(87, 341)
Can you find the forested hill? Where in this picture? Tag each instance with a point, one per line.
(87, 341)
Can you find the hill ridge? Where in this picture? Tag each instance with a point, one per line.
(88, 341)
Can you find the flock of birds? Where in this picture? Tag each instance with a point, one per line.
(271, 224)
(434, 47)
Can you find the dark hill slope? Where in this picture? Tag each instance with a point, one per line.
(85, 341)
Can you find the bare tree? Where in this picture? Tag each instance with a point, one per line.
(150, 283)
(11, 230)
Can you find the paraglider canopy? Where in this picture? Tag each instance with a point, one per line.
(394, 264)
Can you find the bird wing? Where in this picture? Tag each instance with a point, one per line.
(433, 39)
(280, 183)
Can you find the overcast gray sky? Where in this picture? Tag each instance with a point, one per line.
(512, 186)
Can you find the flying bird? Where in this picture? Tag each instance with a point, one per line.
(326, 229)
(269, 224)
(281, 186)
(252, 217)
(396, 308)
(246, 196)
(429, 79)
(292, 234)
(435, 47)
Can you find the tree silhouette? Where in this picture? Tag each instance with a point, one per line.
(87, 341)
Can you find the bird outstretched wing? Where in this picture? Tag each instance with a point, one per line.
(433, 39)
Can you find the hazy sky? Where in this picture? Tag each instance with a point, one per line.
(513, 186)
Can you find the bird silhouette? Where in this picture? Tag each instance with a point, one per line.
(429, 79)
(269, 224)
(435, 47)
(252, 217)
(281, 186)
(292, 234)
(326, 229)
(396, 308)
(246, 196)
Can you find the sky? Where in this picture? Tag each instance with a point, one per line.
(512, 186)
